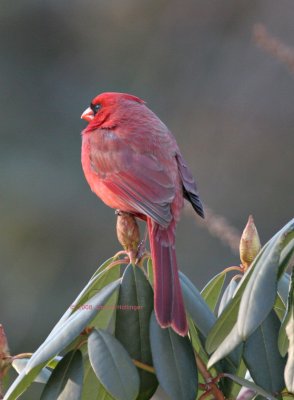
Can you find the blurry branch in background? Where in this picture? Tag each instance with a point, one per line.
(219, 227)
(273, 46)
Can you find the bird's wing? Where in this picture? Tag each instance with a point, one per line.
(190, 190)
(135, 174)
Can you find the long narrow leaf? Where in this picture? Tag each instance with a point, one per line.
(258, 303)
(227, 296)
(289, 370)
(251, 385)
(228, 345)
(132, 321)
(22, 382)
(100, 279)
(92, 387)
(66, 380)
(262, 357)
(174, 362)
(71, 328)
(228, 318)
(283, 341)
(20, 364)
(196, 306)
(113, 366)
(260, 293)
(211, 292)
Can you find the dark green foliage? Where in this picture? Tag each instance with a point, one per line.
(66, 380)
(174, 362)
(132, 324)
(112, 348)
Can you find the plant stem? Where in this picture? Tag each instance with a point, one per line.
(120, 253)
(233, 268)
(204, 395)
(212, 387)
(118, 262)
(143, 366)
(22, 355)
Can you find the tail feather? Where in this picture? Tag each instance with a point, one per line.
(168, 299)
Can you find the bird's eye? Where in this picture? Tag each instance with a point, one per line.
(95, 108)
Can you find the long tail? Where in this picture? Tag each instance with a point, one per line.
(168, 298)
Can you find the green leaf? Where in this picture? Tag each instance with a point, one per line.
(150, 271)
(231, 341)
(92, 388)
(20, 364)
(283, 341)
(113, 366)
(287, 252)
(53, 362)
(90, 384)
(22, 382)
(289, 320)
(196, 306)
(211, 292)
(283, 287)
(71, 328)
(250, 385)
(231, 388)
(259, 296)
(227, 296)
(262, 357)
(224, 324)
(231, 314)
(196, 341)
(279, 307)
(100, 279)
(105, 319)
(226, 321)
(66, 380)
(174, 362)
(260, 293)
(132, 324)
(103, 266)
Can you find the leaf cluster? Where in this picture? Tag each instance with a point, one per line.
(108, 344)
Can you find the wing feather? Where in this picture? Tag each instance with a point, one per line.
(137, 177)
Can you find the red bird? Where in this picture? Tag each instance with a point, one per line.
(133, 163)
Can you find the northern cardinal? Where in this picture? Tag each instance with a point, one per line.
(133, 163)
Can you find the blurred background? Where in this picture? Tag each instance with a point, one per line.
(228, 102)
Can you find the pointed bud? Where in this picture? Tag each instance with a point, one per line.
(128, 233)
(249, 243)
(4, 351)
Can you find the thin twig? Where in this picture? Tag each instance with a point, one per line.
(144, 366)
(233, 268)
(275, 47)
(22, 355)
(212, 387)
(115, 263)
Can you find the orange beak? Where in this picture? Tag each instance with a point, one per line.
(88, 115)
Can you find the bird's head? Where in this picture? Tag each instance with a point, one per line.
(106, 108)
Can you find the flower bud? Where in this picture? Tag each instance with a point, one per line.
(249, 243)
(4, 350)
(128, 233)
